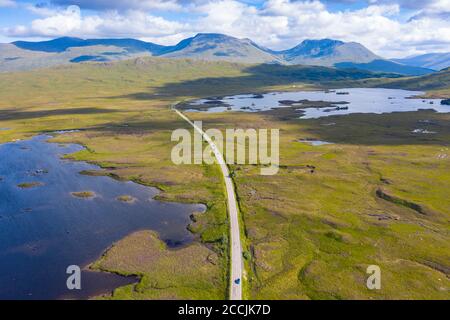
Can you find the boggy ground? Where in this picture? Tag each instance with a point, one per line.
(186, 273)
(130, 138)
(378, 195)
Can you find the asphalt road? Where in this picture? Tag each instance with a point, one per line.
(236, 249)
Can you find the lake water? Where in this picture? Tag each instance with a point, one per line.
(44, 229)
(360, 100)
(315, 143)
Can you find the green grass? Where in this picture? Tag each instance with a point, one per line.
(29, 185)
(187, 273)
(126, 199)
(308, 235)
(436, 85)
(312, 235)
(84, 194)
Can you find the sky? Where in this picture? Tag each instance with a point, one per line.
(396, 28)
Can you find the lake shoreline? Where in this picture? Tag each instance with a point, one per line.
(319, 103)
(47, 140)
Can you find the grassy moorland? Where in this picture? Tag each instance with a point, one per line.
(435, 85)
(187, 273)
(378, 195)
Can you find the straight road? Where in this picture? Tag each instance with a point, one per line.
(236, 249)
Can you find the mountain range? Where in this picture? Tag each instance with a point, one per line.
(434, 61)
(23, 55)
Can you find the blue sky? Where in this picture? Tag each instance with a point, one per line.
(390, 28)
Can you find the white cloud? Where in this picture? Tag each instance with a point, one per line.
(282, 24)
(7, 3)
(436, 9)
(40, 9)
(277, 24)
(71, 22)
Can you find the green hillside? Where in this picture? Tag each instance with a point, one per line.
(436, 84)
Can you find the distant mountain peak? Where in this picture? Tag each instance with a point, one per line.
(217, 46)
(322, 42)
(60, 45)
(55, 45)
(313, 48)
(212, 35)
(328, 52)
(435, 61)
(206, 46)
(67, 38)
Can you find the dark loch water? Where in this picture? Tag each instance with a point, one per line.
(360, 100)
(45, 229)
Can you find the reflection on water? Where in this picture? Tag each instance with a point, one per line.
(360, 100)
(315, 143)
(44, 229)
(424, 131)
